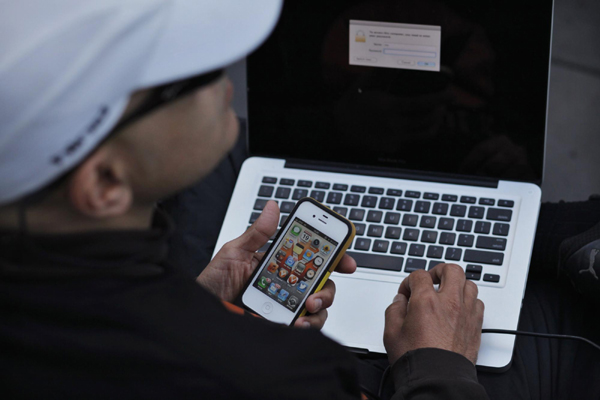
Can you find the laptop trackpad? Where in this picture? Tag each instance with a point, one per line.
(357, 316)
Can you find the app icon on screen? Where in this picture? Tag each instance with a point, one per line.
(293, 301)
(315, 243)
(287, 243)
(290, 261)
(308, 255)
(302, 286)
(326, 249)
(272, 268)
(283, 295)
(300, 268)
(298, 248)
(280, 255)
(305, 237)
(273, 289)
(262, 282)
(292, 280)
(318, 261)
(310, 274)
(283, 273)
(296, 230)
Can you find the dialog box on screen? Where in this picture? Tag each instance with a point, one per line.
(392, 45)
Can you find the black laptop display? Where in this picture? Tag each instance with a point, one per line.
(450, 87)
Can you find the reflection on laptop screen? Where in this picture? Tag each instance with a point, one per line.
(443, 86)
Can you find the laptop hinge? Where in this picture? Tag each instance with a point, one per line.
(392, 173)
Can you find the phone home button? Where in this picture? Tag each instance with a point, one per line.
(267, 308)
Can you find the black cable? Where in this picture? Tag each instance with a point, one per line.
(543, 335)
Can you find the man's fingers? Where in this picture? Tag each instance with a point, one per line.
(260, 232)
(322, 299)
(417, 281)
(394, 318)
(347, 265)
(450, 277)
(312, 321)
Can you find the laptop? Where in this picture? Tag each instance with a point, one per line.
(424, 123)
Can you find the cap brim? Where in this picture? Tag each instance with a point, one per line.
(204, 35)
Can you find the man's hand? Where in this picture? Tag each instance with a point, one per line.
(448, 319)
(233, 265)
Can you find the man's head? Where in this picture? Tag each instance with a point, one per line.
(71, 70)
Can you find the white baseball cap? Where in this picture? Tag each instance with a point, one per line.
(68, 68)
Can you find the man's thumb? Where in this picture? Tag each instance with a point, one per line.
(262, 229)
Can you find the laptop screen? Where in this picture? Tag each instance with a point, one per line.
(457, 87)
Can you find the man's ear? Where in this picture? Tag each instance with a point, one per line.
(99, 188)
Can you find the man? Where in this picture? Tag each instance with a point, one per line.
(108, 107)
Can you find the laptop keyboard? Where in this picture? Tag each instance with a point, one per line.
(406, 230)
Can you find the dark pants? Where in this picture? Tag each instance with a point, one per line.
(541, 368)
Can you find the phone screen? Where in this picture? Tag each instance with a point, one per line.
(296, 264)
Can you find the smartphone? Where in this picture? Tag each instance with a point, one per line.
(305, 252)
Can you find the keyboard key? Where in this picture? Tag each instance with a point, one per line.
(450, 197)
(476, 212)
(501, 229)
(381, 246)
(375, 231)
(360, 229)
(266, 191)
(392, 218)
(282, 220)
(474, 268)
(431, 196)
(473, 276)
(498, 214)
(446, 224)
(269, 179)
(287, 206)
(416, 250)
(334, 198)
(413, 194)
(369, 201)
(362, 244)
(468, 199)
(340, 187)
(432, 264)
(440, 208)
(458, 210)
(253, 217)
(305, 184)
(506, 203)
(356, 214)
(453, 254)
(351, 199)
(392, 232)
(413, 264)
(487, 202)
(394, 192)
(377, 261)
(343, 211)
(447, 238)
(358, 189)
(435, 252)
(299, 193)
(465, 240)
(484, 257)
(287, 182)
(464, 225)
(404, 205)
(410, 220)
(318, 195)
(411, 234)
(429, 236)
(483, 227)
(398, 248)
(387, 203)
(375, 190)
(283, 193)
(322, 185)
(491, 278)
(260, 204)
(374, 216)
(492, 243)
(422, 207)
(428, 221)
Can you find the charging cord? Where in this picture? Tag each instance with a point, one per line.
(543, 335)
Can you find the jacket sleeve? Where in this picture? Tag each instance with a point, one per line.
(435, 374)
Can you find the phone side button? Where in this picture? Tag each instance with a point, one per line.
(267, 308)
